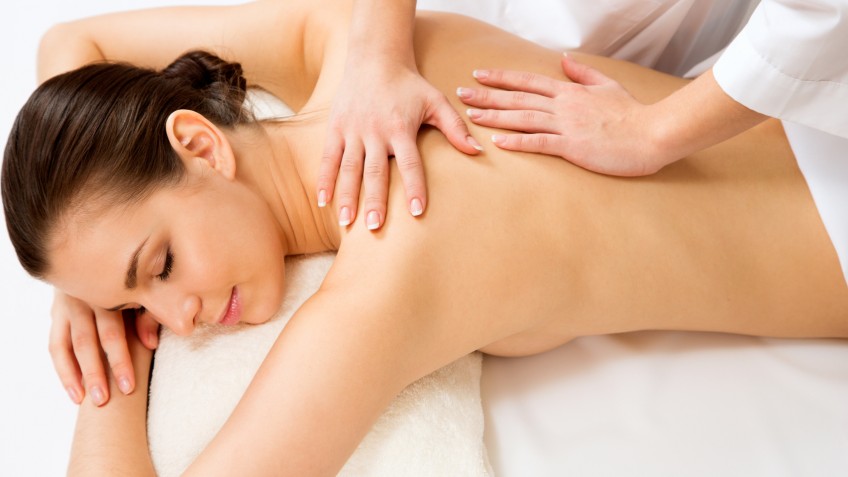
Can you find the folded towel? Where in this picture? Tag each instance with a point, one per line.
(434, 427)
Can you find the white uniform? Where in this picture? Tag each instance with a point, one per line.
(790, 62)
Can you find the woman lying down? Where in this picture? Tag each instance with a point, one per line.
(149, 188)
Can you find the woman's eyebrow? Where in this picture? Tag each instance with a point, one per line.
(132, 273)
(131, 279)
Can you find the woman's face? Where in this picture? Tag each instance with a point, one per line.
(206, 252)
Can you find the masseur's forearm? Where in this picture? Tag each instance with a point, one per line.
(112, 440)
(698, 116)
(382, 30)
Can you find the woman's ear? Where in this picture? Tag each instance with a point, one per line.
(199, 143)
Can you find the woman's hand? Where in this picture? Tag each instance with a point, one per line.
(377, 113)
(78, 337)
(593, 122)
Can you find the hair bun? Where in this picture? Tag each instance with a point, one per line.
(218, 80)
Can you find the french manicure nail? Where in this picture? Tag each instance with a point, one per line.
(344, 217)
(474, 143)
(473, 113)
(73, 394)
(373, 221)
(322, 198)
(498, 138)
(124, 385)
(463, 93)
(97, 395)
(480, 74)
(415, 207)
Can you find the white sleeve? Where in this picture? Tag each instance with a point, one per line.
(791, 62)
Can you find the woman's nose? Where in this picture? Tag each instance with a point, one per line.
(176, 313)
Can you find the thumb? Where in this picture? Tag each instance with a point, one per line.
(446, 119)
(583, 74)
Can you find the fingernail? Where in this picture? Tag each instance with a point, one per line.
(344, 217)
(473, 113)
(474, 143)
(463, 93)
(498, 138)
(415, 207)
(153, 339)
(124, 385)
(565, 54)
(73, 394)
(97, 395)
(322, 198)
(373, 221)
(480, 74)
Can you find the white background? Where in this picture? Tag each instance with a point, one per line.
(36, 416)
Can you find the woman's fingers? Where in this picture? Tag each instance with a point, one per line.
(526, 120)
(328, 172)
(147, 330)
(64, 360)
(376, 183)
(349, 182)
(113, 340)
(518, 81)
(87, 351)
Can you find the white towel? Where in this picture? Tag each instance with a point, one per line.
(434, 427)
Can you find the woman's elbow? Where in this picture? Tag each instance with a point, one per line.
(64, 47)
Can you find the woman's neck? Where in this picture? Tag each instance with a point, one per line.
(281, 161)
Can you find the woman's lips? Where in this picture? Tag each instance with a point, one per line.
(232, 313)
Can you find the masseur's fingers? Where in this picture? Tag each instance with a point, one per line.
(584, 74)
(412, 174)
(497, 99)
(64, 361)
(519, 81)
(447, 120)
(87, 350)
(147, 330)
(349, 182)
(550, 144)
(327, 172)
(527, 120)
(376, 185)
(113, 340)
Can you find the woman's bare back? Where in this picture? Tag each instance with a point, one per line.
(524, 252)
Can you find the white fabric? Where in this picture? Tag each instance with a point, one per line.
(434, 427)
(674, 36)
(790, 62)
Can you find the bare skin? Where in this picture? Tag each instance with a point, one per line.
(515, 254)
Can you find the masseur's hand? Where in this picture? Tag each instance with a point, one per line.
(78, 337)
(377, 113)
(593, 122)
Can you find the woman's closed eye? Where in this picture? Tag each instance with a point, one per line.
(167, 267)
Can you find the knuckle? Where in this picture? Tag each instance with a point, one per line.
(519, 97)
(526, 78)
(529, 116)
(56, 349)
(347, 197)
(398, 126)
(408, 162)
(375, 168)
(111, 337)
(350, 165)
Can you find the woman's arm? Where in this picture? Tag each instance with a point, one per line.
(280, 45)
(112, 440)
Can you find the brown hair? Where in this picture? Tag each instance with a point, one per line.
(99, 132)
